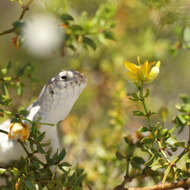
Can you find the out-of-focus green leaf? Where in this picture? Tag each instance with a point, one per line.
(89, 42)
(66, 17)
(2, 171)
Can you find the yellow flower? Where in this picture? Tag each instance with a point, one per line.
(142, 73)
(19, 131)
(17, 184)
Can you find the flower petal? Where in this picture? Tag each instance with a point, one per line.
(145, 69)
(154, 71)
(131, 67)
(144, 73)
(132, 77)
(18, 131)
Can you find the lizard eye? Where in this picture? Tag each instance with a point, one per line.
(64, 77)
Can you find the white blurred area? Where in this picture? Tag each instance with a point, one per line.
(43, 35)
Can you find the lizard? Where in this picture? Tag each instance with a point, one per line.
(54, 103)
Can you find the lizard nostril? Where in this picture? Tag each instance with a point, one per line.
(51, 92)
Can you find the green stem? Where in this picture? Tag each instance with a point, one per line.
(142, 99)
(162, 152)
(147, 115)
(146, 112)
(23, 146)
(127, 168)
(30, 155)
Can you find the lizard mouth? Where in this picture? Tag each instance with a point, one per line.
(80, 76)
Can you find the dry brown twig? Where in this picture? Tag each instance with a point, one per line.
(183, 184)
(25, 8)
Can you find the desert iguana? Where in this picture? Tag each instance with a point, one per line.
(53, 104)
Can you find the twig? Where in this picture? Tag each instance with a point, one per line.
(25, 149)
(30, 155)
(54, 172)
(2, 131)
(161, 149)
(167, 186)
(7, 31)
(25, 8)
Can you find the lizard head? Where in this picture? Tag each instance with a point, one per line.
(67, 80)
(58, 96)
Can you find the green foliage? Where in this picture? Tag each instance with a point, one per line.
(30, 171)
(15, 81)
(82, 32)
(88, 30)
(154, 152)
(94, 131)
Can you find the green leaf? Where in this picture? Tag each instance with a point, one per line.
(188, 163)
(181, 120)
(7, 78)
(62, 154)
(65, 164)
(29, 184)
(120, 156)
(163, 132)
(138, 160)
(147, 140)
(128, 140)
(4, 71)
(89, 42)
(166, 173)
(134, 97)
(40, 149)
(9, 65)
(143, 129)
(27, 68)
(72, 47)
(180, 144)
(5, 90)
(23, 112)
(41, 137)
(66, 17)
(108, 35)
(19, 88)
(171, 141)
(2, 171)
(163, 113)
(150, 160)
(185, 98)
(76, 27)
(157, 164)
(18, 25)
(15, 171)
(138, 113)
(147, 93)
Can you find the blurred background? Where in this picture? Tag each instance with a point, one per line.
(94, 130)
